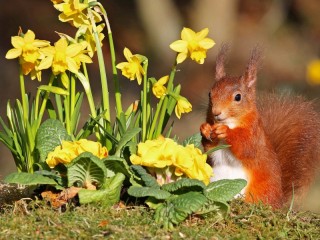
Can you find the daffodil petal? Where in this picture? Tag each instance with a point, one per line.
(202, 34)
(45, 63)
(127, 54)
(29, 36)
(13, 53)
(179, 46)
(72, 65)
(187, 34)
(163, 80)
(181, 57)
(73, 49)
(178, 113)
(121, 65)
(206, 43)
(17, 41)
(40, 43)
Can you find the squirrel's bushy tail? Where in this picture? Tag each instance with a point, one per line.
(293, 127)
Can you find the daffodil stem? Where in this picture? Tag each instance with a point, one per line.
(23, 98)
(144, 102)
(165, 102)
(44, 103)
(155, 118)
(103, 75)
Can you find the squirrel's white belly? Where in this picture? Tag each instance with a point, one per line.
(227, 166)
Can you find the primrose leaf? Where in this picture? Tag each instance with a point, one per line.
(117, 164)
(146, 178)
(193, 139)
(224, 190)
(214, 210)
(157, 193)
(108, 195)
(177, 209)
(86, 170)
(50, 135)
(184, 185)
(28, 179)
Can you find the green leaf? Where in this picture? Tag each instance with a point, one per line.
(50, 135)
(108, 195)
(224, 190)
(184, 185)
(214, 210)
(146, 178)
(126, 138)
(85, 170)
(216, 149)
(176, 210)
(117, 164)
(28, 179)
(157, 193)
(53, 89)
(194, 139)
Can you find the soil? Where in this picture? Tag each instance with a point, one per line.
(9, 193)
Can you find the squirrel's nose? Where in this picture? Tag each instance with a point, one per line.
(216, 114)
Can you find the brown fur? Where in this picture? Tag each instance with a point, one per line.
(293, 127)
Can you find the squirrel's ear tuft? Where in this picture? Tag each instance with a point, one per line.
(253, 65)
(220, 72)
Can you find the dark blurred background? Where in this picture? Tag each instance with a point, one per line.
(288, 31)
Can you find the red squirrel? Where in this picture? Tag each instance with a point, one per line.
(274, 140)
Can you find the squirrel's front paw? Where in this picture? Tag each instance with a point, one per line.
(206, 131)
(220, 130)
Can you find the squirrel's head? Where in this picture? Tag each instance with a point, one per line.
(232, 98)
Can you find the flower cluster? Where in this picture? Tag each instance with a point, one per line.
(170, 161)
(68, 151)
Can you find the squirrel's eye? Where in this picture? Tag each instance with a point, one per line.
(237, 97)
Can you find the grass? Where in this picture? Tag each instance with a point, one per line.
(35, 220)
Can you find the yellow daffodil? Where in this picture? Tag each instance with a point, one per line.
(313, 72)
(158, 88)
(68, 151)
(63, 56)
(132, 69)
(169, 161)
(183, 106)
(74, 11)
(193, 45)
(27, 48)
(86, 33)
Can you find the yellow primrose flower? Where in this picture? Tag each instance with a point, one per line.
(313, 72)
(183, 106)
(193, 45)
(157, 153)
(169, 161)
(68, 151)
(191, 162)
(63, 56)
(132, 69)
(158, 88)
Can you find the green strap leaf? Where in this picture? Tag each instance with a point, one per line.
(86, 170)
(54, 89)
(126, 138)
(28, 179)
(157, 193)
(224, 190)
(50, 135)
